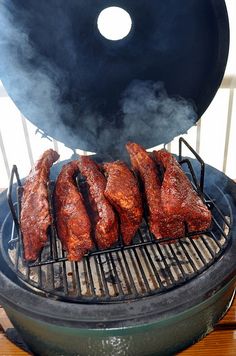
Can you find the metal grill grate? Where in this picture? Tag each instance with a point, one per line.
(142, 269)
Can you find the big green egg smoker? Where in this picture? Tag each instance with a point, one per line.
(152, 297)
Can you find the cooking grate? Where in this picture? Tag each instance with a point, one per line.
(142, 269)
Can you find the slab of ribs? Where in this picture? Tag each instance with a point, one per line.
(123, 192)
(178, 196)
(103, 215)
(35, 215)
(72, 220)
(171, 201)
(112, 201)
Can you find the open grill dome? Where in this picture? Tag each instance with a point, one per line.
(92, 88)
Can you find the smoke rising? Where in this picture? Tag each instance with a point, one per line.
(46, 70)
(147, 102)
(36, 89)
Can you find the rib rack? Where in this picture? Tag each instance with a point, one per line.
(146, 267)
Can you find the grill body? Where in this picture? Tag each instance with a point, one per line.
(158, 324)
(164, 337)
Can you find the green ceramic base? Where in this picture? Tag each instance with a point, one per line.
(164, 337)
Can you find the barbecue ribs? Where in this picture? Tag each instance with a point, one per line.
(161, 224)
(123, 193)
(103, 215)
(72, 221)
(179, 197)
(35, 215)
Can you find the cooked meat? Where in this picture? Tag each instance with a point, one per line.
(143, 164)
(123, 193)
(106, 226)
(161, 225)
(35, 215)
(72, 221)
(179, 197)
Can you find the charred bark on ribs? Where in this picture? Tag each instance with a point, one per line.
(160, 224)
(122, 191)
(72, 221)
(35, 215)
(178, 196)
(172, 202)
(105, 220)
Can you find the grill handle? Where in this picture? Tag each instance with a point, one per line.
(200, 185)
(14, 174)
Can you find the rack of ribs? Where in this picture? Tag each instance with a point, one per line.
(103, 215)
(160, 224)
(179, 197)
(122, 191)
(35, 215)
(72, 221)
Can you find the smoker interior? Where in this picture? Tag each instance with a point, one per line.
(147, 267)
(137, 309)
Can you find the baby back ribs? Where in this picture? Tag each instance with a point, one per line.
(123, 193)
(161, 225)
(72, 221)
(179, 197)
(106, 225)
(35, 215)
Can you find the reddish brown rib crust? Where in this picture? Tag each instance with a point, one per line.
(160, 224)
(106, 229)
(72, 221)
(179, 197)
(123, 193)
(35, 215)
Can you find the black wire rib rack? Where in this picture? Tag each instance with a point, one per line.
(146, 267)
